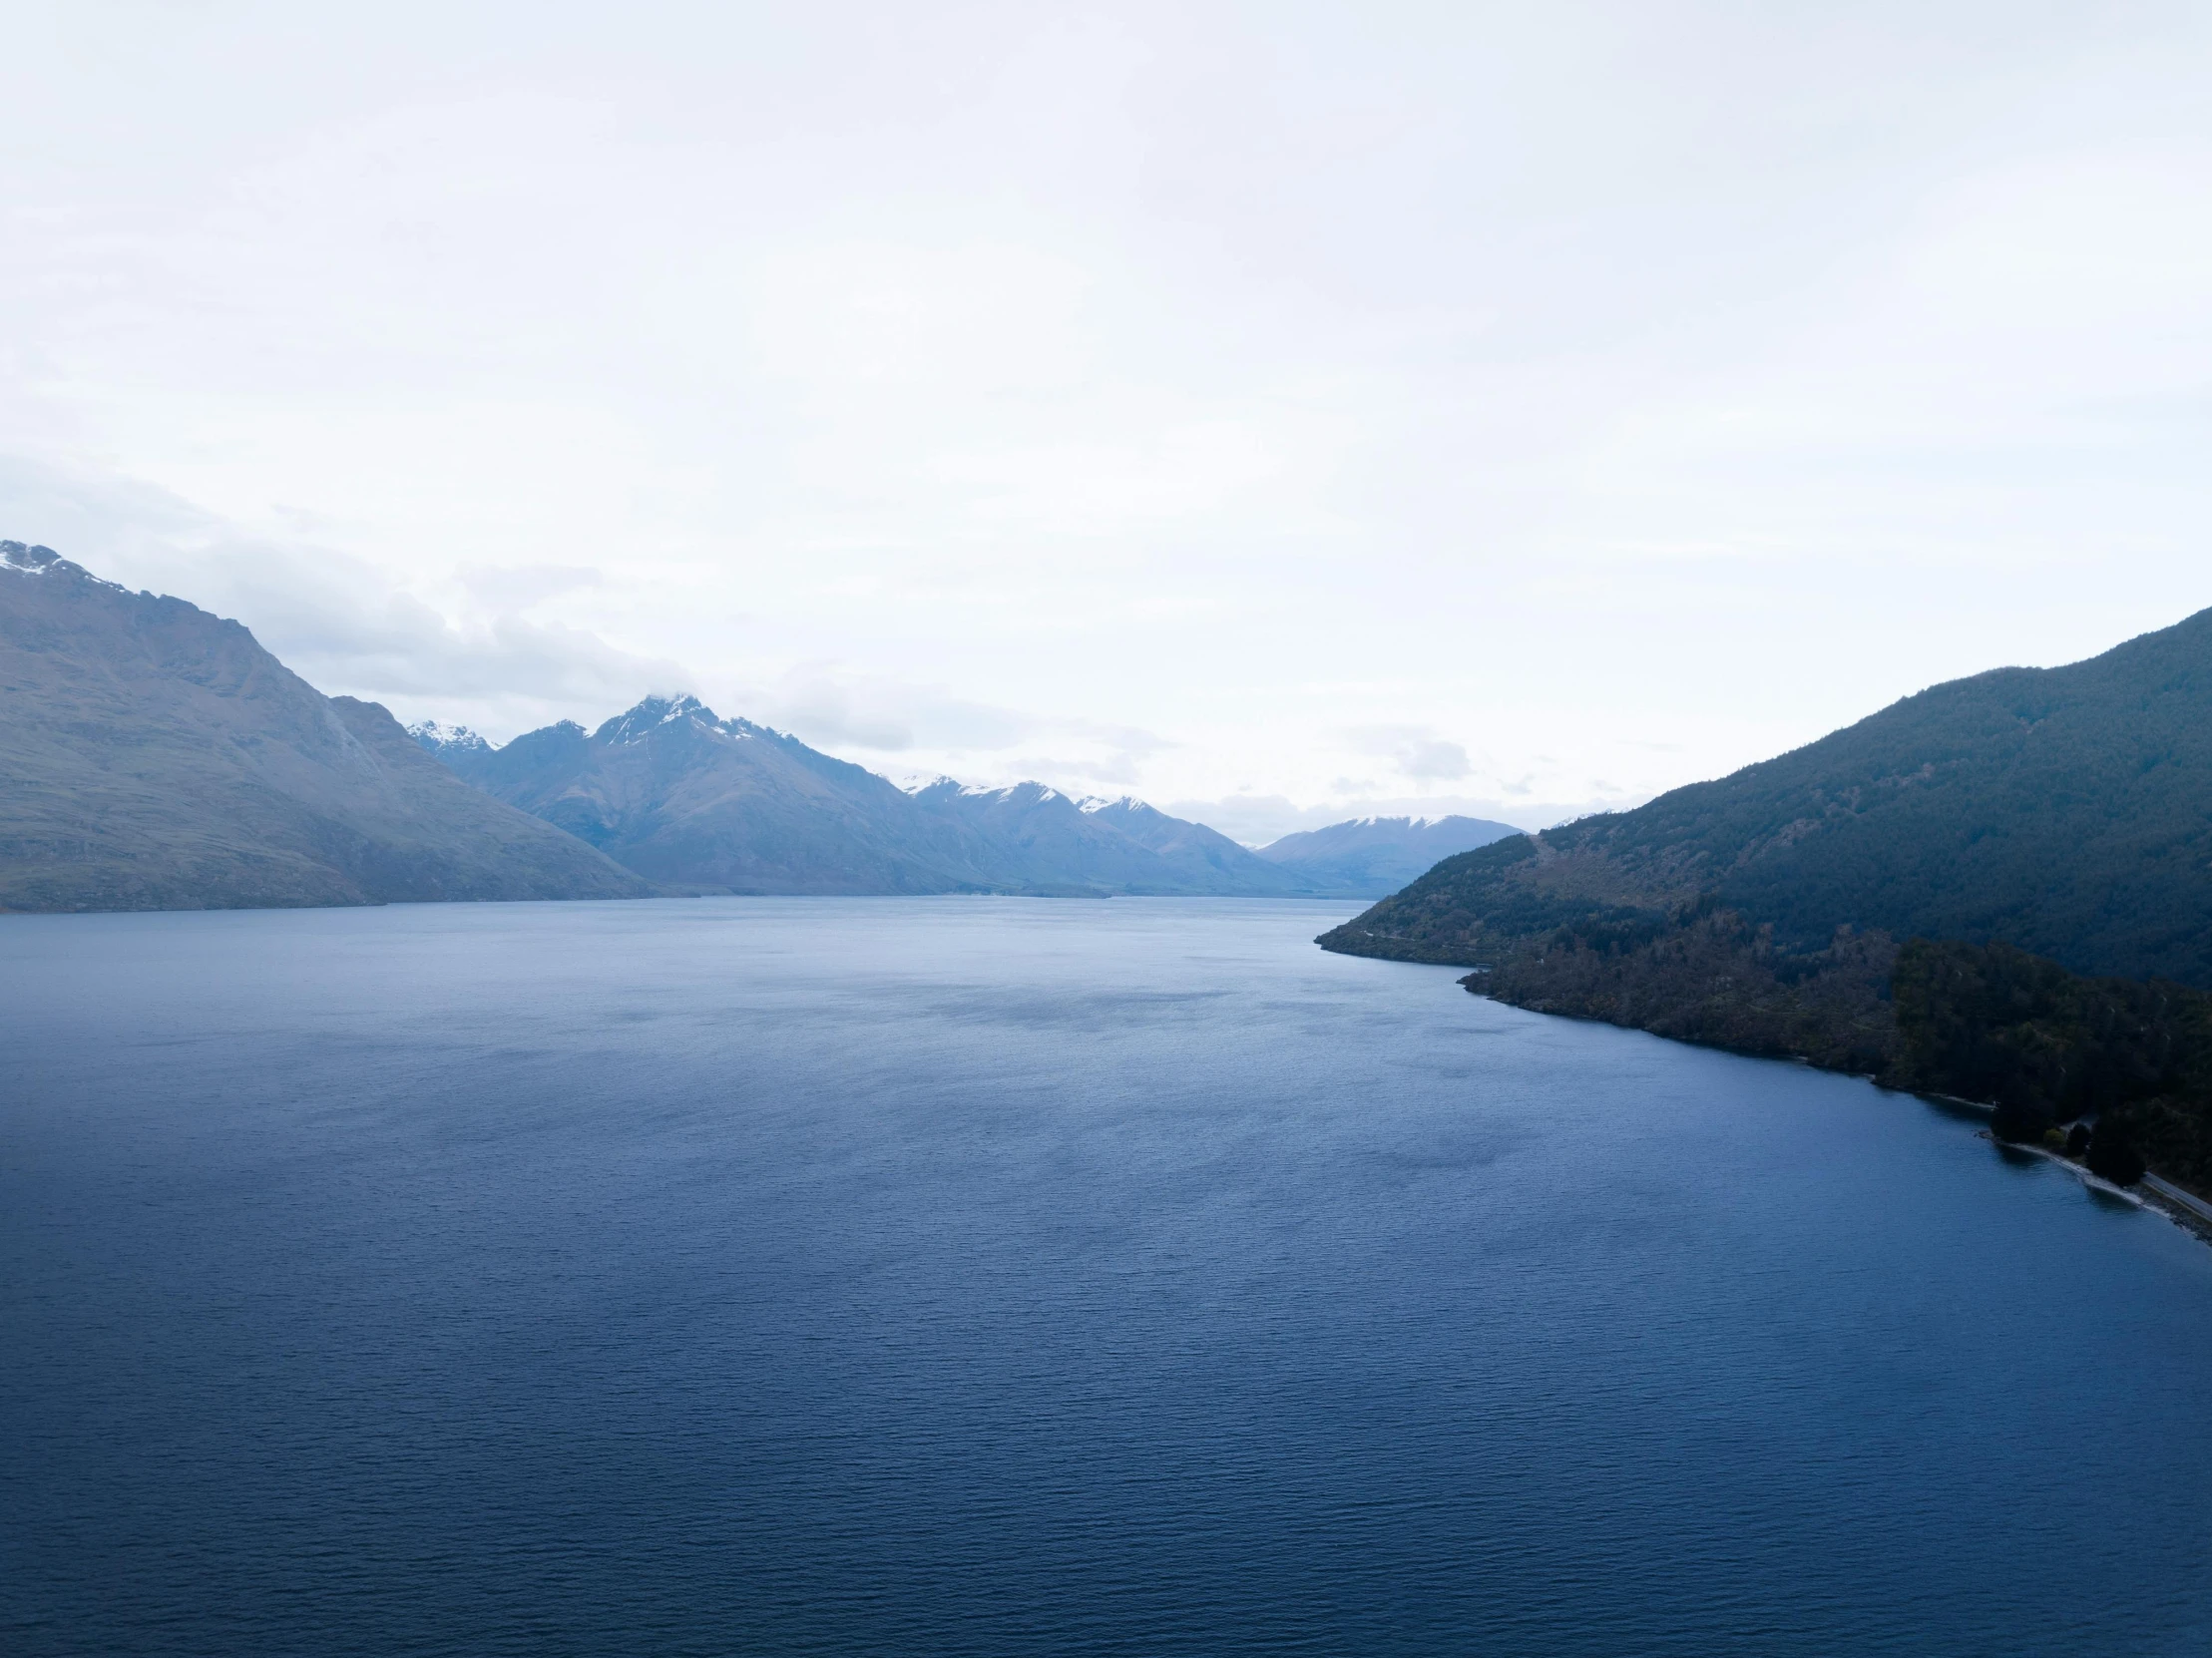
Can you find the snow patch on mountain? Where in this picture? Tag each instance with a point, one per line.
(25, 559)
(434, 735)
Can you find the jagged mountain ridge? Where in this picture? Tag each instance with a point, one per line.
(457, 739)
(1370, 857)
(697, 803)
(154, 757)
(1123, 844)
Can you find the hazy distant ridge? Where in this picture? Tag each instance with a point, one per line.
(1371, 856)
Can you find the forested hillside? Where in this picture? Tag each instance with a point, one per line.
(2065, 811)
(2049, 1047)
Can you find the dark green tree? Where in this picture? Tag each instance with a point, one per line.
(2113, 1156)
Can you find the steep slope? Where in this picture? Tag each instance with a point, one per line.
(2065, 811)
(1369, 857)
(1126, 846)
(697, 803)
(154, 757)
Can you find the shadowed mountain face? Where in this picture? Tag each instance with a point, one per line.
(696, 803)
(154, 757)
(2065, 811)
(1371, 856)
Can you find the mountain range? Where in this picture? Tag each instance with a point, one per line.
(155, 757)
(694, 802)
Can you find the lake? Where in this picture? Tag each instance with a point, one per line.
(993, 1276)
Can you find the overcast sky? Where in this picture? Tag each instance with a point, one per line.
(1281, 411)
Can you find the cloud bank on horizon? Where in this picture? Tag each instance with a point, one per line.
(1284, 412)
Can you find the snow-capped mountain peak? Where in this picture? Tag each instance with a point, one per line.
(653, 712)
(434, 735)
(21, 560)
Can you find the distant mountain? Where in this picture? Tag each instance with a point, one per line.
(154, 757)
(447, 739)
(1369, 857)
(696, 803)
(1124, 845)
(2064, 811)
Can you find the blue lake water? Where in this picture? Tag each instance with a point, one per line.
(991, 1276)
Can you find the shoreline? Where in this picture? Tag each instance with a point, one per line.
(2144, 1196)
(2179, 1211)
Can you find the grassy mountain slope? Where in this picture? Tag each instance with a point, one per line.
(154, 757)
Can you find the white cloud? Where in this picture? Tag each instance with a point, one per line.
(337, 619)
(1415, 752)
(1596, 396)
